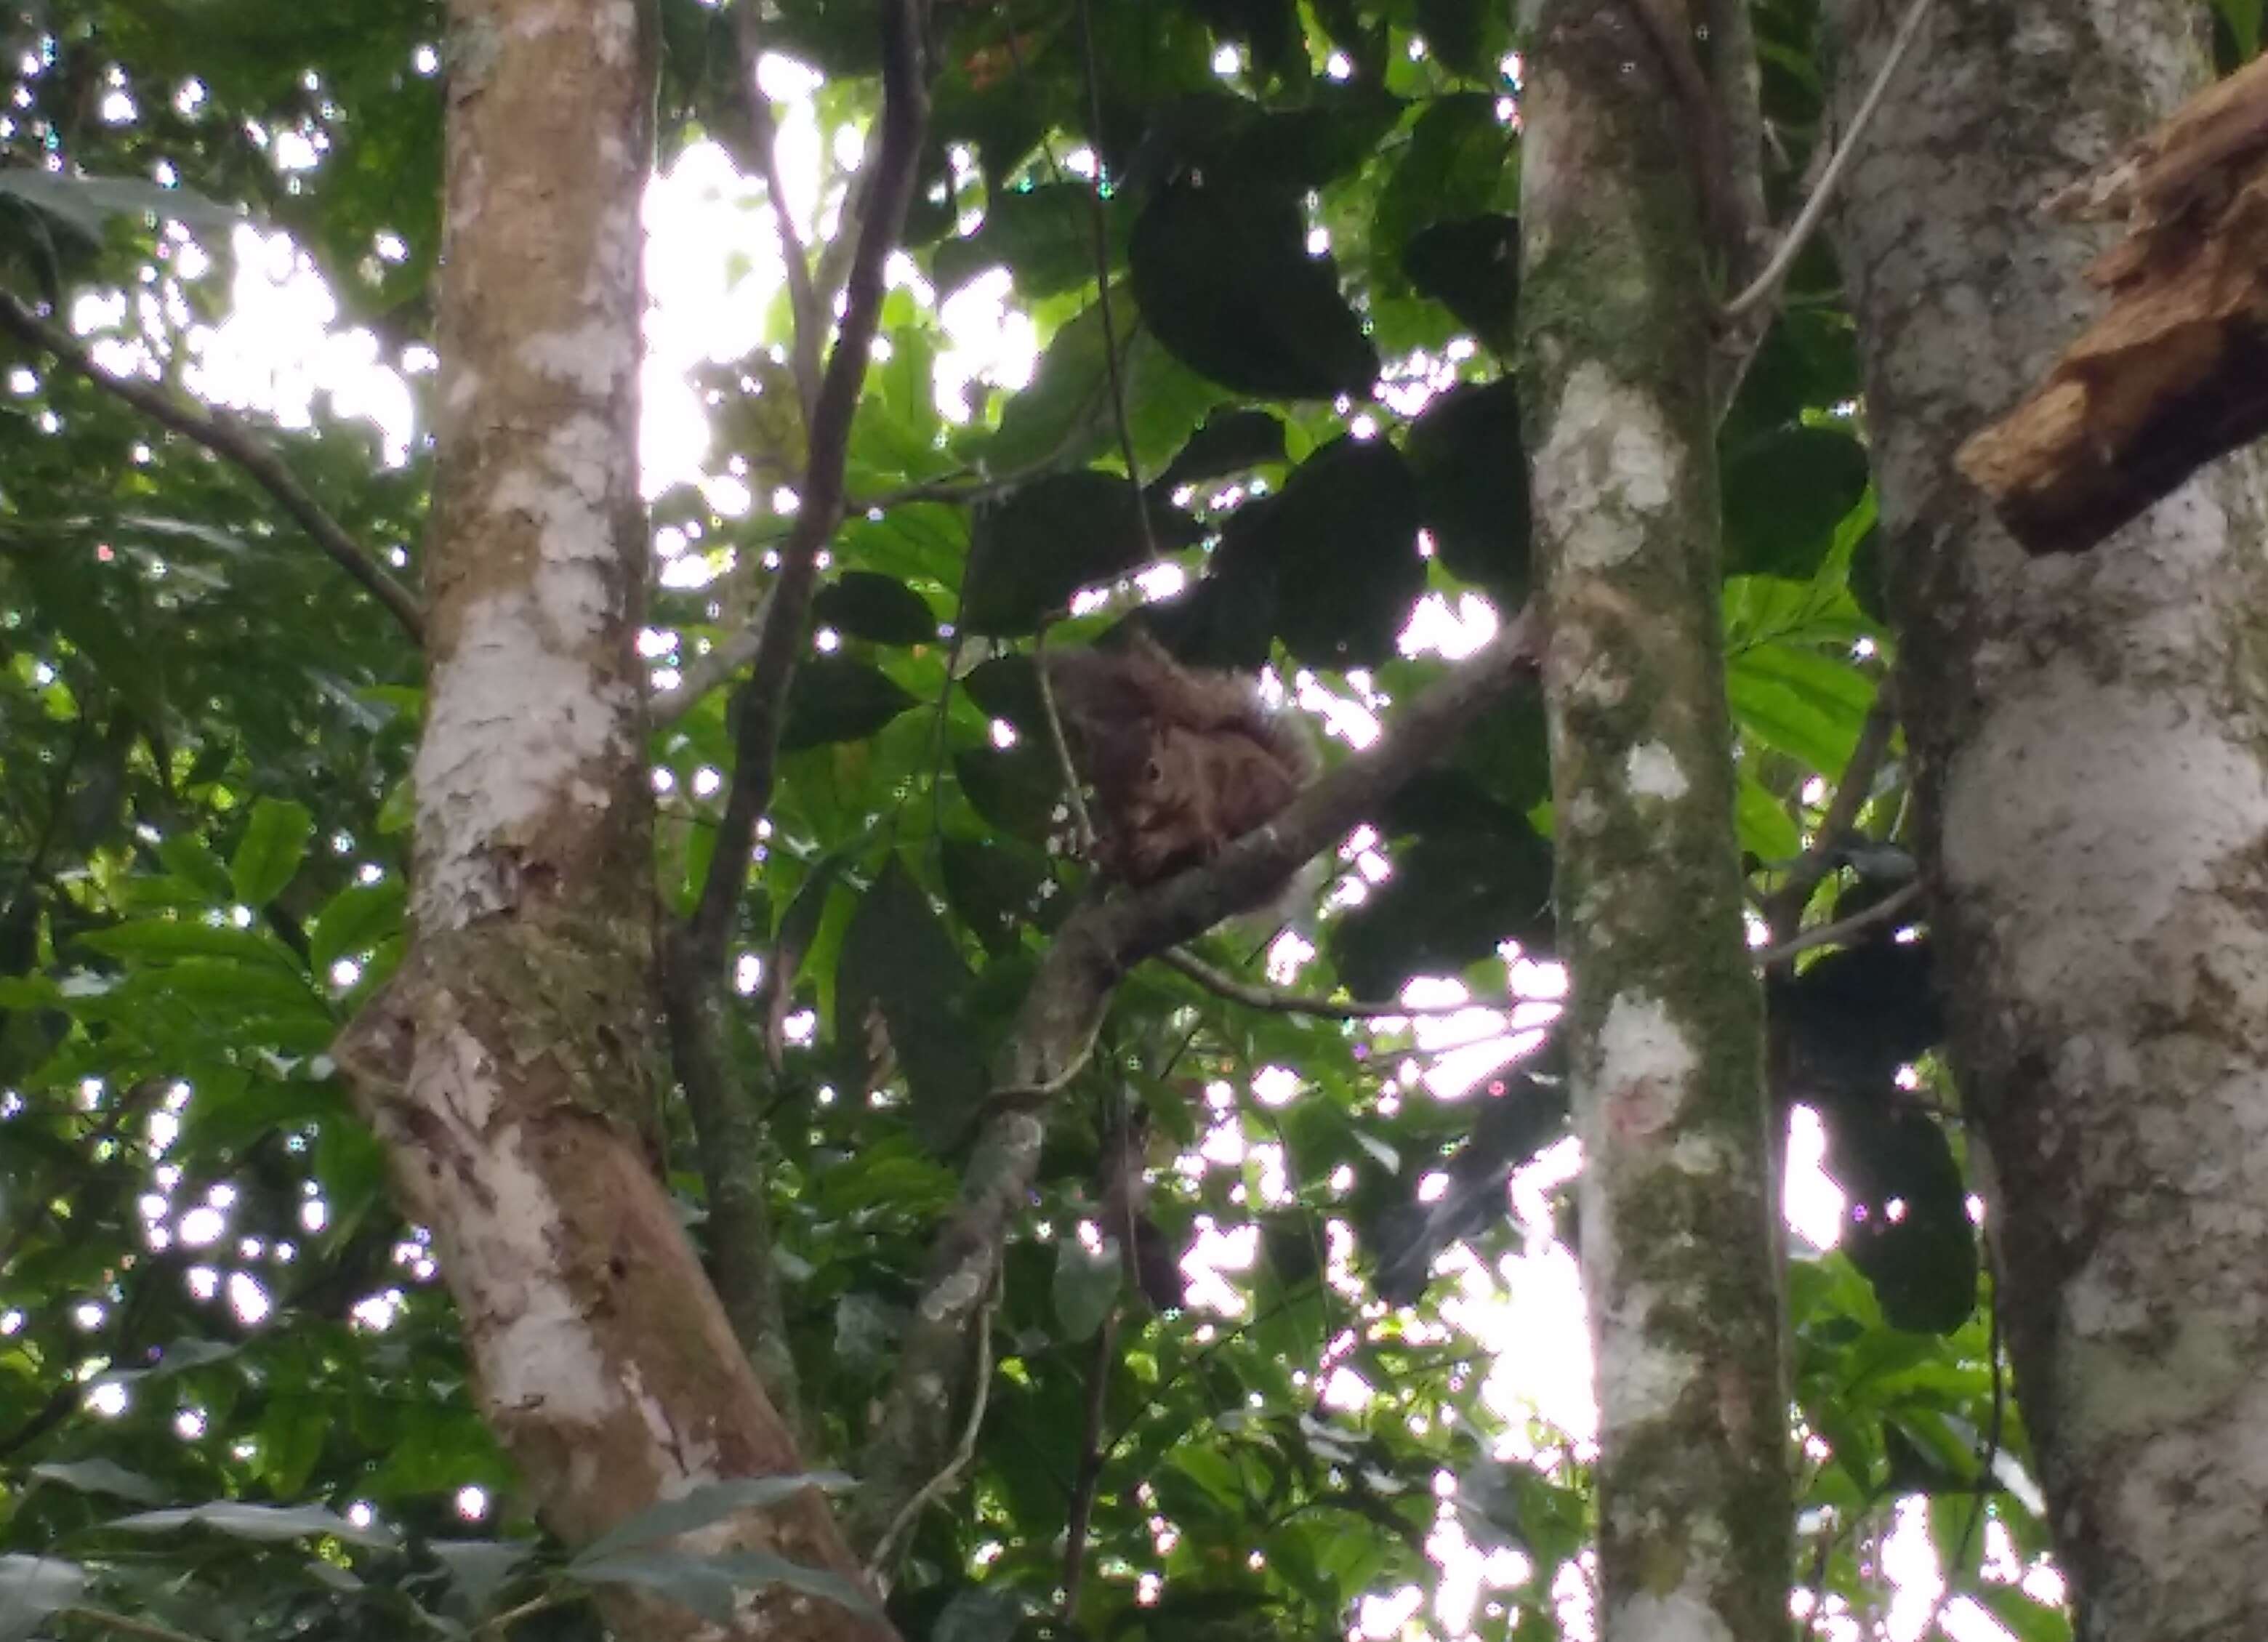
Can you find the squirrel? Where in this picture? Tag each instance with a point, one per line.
(1181, 760)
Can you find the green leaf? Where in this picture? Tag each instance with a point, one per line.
(260, 1523)
(101, 1477)
(1065, 416)
(1342, 540)
(836, 698)
(898, 955)
(480, 1568)
(698, 1507)
(2244, 18)
(712, 1587)
(1045, 541)
(33, 1589)
(1086, 1284)
(354, 921)
(1044, 236)
(1806, 704)
(267, 857)
(186, 857)
(1458, 163)
(86, 203)
(1469, 36)
(172, 938)
(1470, 265)
(1224, 280)
(1766, 829)
(1471, 466)
(1230, 442)
(880, 609)
(1785, 494)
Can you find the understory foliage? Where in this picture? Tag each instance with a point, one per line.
(232, 1398)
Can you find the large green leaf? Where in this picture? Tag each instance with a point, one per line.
(1227, 284)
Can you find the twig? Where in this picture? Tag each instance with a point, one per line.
(1221, 983)
(1988, 1452)
(878, 1564)
(498, 1625)
(232, 445)
(1814, 207)
(1887, 909)
(807, 319)
(704, 673)
(780, 639)
(1784, 907)
(1062, 1012)
(1084, 822)
(1088, 1482)
(1099, 223)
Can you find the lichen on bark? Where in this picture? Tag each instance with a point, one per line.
(1663, 1020)
(2092, 815)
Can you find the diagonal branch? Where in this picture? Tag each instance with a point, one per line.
(808, 318)
(761, 703)
(1783, 908)
(236, 446)
(1055, 1034)
(1766, 285)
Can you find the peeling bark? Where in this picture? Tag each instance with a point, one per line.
(2174, 373)
(1663, 1020)
(509, 1066)
(2094, 813)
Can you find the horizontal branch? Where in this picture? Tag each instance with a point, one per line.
(1889, 910)
(233, 444)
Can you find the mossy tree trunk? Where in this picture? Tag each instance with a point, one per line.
(510, 1063)
(1663, 1025)
(2088, 733)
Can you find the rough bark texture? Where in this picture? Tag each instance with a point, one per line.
(1663, 1020)
(2175, 372)
(2088, 739)
(509, 1064)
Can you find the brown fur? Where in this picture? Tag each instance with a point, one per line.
(1181, 758)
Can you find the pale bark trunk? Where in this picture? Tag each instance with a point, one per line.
(1662, 1024)
(509, 1065)
(2087, 737)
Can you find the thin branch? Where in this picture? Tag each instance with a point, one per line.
(232, 445)
(877, 1566)
(1252, 996)
(1815, 209)
(1784, 907)
(1099, 223)
(1080, 1516)
(807, 319)
(1080, 819)
(1887, 909)
(703, 673)
(1705, 127)
(1054, 1033)
(761, 702)
(1737, 77)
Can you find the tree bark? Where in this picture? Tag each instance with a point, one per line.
(1663, 1019)
(509, 1065)
(2094, 808)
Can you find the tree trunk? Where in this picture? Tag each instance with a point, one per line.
(1662, 1024)
(509, 1064)
(2093, 785)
